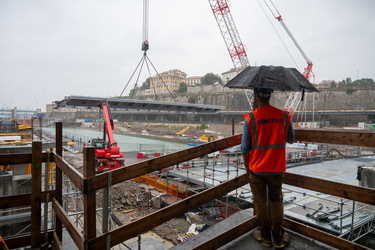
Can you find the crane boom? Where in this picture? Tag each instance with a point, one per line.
(108, 123)
(235, 47)
(230, 34)
(107, 154)
(295, 97)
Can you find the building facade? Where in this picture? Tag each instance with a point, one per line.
(228, 75)
(17, 114)
(168, 81)
(193, 81)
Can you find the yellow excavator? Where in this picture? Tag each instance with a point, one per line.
(127, 125)
(181, 133)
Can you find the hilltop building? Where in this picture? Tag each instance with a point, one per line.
(193, 80)
(228, 75)
(168, 81)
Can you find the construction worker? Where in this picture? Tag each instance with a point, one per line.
(265, 133)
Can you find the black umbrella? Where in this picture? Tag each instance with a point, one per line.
(271, 77)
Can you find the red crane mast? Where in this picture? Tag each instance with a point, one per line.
(228, 29)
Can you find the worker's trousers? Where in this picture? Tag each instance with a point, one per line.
(268, 204)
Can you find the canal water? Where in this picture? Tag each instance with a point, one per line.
(127, 143)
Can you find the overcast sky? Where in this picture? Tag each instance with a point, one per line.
(50, 49)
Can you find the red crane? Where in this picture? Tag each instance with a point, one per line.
(295, 97)
(107, 154)
(230, 34)
(237, 51)
(231, 38)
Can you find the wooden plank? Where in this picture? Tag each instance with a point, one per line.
(22, 199)
(69, 225)
(14, 159)
(229, 235)
(143, 224)
(57, 243)
(320, 236)
(365, 139)
(361, 194)
(36, 187)
(24, 240)
(58, 175)
(89, 199)
(71, 172)
(119, 175)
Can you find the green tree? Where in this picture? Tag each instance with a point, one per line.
(364, 82)
(342, 84)
(133, 92)
(333, 84)
(183, 88)
(210, 78)
(203, 125)
(146, 84)
(348, 81)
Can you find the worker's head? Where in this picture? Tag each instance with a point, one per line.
(261, 97)
(264, 93)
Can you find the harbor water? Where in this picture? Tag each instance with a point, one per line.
(127, 143)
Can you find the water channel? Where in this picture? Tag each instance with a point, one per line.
(127, 143)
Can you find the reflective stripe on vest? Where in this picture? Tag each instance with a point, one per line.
(272, 146)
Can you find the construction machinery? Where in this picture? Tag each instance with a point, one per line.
(237, 52)
(181, 133)
(107, 153)
(235, 47)
(127, 125)
(295, 97)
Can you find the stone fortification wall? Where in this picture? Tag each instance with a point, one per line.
(234, 99)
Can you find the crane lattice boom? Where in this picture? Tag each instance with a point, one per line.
(231, 38)
(230, 34)
(295, 97)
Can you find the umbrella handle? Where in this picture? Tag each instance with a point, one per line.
(303, 95)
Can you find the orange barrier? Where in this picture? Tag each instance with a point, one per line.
(165, 186)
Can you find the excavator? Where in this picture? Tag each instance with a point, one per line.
(107, 153)
(181, 133)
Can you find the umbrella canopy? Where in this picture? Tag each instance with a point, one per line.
(271, 77)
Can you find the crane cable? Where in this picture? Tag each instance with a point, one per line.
(145, 47)
(277, 33)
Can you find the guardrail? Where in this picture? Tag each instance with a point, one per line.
(88, 183)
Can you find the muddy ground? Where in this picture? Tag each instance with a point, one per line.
(132, 200)
(161, 129)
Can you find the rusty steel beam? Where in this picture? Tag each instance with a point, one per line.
(119, 175)
(73, 174)
(365, 139)
(74, 232)
(229, 235)
(321, 236)
(22, 199)
(361, 194)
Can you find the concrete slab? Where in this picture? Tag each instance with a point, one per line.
(246, 241)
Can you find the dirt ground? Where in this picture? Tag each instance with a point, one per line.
(223, 130)
(132, 200)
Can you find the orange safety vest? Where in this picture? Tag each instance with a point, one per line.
(268, 130)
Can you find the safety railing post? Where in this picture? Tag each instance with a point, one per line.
(59, 180)
(36, 182)
(89, 228)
